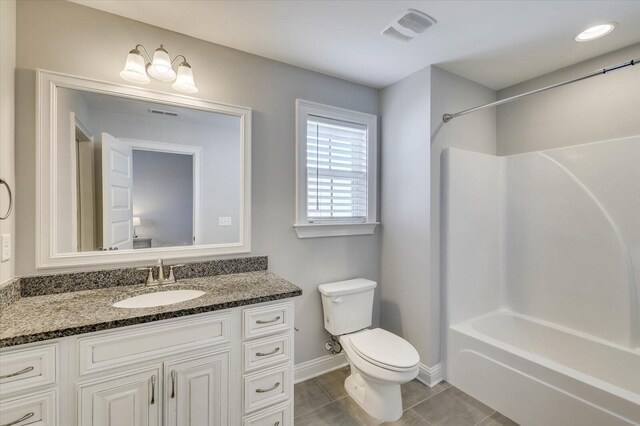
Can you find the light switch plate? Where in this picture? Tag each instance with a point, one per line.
(224, 221)
(5, 243)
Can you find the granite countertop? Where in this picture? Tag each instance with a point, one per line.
(36, 318)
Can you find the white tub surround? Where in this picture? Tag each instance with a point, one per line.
(519, 365)
(540, 280)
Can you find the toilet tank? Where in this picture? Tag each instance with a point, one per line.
(347, 305)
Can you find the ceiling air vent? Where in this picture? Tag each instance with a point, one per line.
(162, 112)
(408, 25)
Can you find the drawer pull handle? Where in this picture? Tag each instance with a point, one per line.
(268, 322)
(153, 389)
(173, 383)
(17, 373)
(21, 419)
(277, 423)
(268, 390)
(275, 351)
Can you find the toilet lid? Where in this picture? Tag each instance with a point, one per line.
(385, 348)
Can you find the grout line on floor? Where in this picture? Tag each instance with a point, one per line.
(324, 390)
(427, 398)
(317, 408)
(482, 420)
(418, 414)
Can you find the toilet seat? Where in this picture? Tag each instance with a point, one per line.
(385, 350)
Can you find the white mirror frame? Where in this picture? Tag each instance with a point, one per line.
(47, 257)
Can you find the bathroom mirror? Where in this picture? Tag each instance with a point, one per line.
(128, 174)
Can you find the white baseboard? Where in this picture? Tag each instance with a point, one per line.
(431, 376)
(318, 366)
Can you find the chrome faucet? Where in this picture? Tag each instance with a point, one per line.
(160, 266)
(161, 278)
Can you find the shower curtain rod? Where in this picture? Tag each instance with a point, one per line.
(448, 117)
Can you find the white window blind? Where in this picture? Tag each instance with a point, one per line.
(336, 171)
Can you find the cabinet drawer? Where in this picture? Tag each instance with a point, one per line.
(27, 368)
(267, 387)
(267, 320)
(116, 349)
(267, 351)
(35, 410)
(279, 415)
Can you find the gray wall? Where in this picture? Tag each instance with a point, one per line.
(473, 132)
(70, 38)
(413, 138)
(163, 191)
(7, 169)
(404, 263)
(601, 108)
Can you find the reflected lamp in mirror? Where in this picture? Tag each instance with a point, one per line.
(136, 222)
(139, 67)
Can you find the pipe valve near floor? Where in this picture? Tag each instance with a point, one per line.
(333, 346)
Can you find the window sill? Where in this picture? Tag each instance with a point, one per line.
(318, 230)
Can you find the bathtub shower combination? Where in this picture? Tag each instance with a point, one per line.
(541, 259)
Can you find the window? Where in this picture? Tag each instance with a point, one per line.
(336, 171)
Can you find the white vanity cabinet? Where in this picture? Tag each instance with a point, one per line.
(221, 368)
(29, 385)
(129, 399)
(197, 391)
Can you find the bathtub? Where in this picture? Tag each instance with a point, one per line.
(540, 374)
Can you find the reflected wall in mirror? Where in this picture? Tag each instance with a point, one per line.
(134, 174)
(127, 171)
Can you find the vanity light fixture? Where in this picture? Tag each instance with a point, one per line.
(134, 69)
(595, 32)
(139, 68)
(184, 82)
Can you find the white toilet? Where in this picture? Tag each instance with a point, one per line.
(380, 361)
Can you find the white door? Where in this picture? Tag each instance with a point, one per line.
(133, 400)
(117, 194)
(197, 391)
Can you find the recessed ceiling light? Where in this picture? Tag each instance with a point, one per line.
(595, 32)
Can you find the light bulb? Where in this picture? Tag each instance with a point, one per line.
(184, 82)
(134, 69)
(160, 68)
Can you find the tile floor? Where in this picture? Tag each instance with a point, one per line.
(323, 401)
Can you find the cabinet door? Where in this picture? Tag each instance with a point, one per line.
(128, 400)
(197, 391)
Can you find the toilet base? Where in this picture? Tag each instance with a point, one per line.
(381, 401)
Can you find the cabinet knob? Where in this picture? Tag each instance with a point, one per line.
(267, 322)
(268, 390)
(153, 389)
(268, 353)
(20, 420)
(173, 383)
(17, 373)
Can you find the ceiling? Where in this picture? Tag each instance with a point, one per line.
(497, 43)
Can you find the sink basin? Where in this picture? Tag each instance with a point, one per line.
(159, 298)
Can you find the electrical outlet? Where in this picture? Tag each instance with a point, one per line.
(224, 221)
(5, 242)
